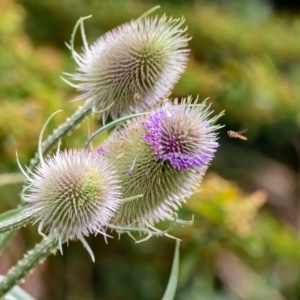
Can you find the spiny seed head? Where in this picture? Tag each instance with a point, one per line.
(162, 156)
(74, 193)
(133, 66)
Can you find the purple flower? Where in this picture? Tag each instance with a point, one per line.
(162, 156)
(181, 135)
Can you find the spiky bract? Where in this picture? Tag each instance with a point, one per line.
(162, 156)
(74, 193)
(133, 66)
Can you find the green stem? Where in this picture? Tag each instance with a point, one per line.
(70, 124)
(16, 218)
(29, 261)
(17, 224)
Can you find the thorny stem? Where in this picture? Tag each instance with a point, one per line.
(20, 219)
(29, 261)
(64, 129)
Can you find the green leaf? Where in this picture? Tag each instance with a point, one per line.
(172, 284)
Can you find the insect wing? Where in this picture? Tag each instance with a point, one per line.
(237, 134)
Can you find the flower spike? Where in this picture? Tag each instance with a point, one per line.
(163, 156)
(74, 193)
(135, 65)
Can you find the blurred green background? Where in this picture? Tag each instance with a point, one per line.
(245, 241)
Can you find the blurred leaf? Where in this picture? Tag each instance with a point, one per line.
(11, 178)
(172, 284)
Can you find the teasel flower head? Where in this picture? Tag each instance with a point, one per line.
(74, 193)
(162, 156)
(133, 66)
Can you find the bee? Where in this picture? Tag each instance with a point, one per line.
(237, 134)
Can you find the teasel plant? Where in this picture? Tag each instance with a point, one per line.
(127, 70)
(133, 66)
(163, 156)
(70, 194)
(73, 193)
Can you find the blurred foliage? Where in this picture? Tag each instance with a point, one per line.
(244, 243)
(236, 53)
(30, 89)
